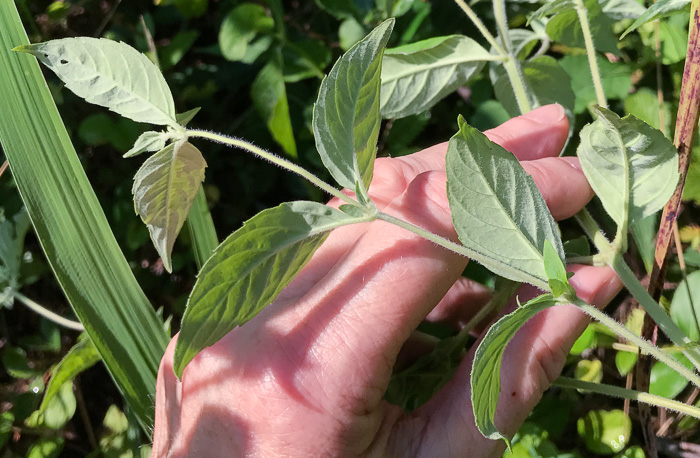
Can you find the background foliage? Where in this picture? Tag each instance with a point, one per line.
(255, 68)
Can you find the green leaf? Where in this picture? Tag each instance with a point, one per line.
(565, 28)
(243, 30)
(666, 382)
(71, 226)
(644, 104)
(587, 340)
(270, 99)
(486, 371)
(625, 360)
(589, 370)
(685, 306)
(250, 268)
(628, 160)
(12, 233)
(148, 142)
(81, 357)
(553, 7)
(417, 76)
(605, 432)
(184, 118)
(106, 129)
(164, 188)
(6, 421)
(341, 9)
(644, 234)
(110, 74)
(304, 59)
(622, 9)
(55, 413)
(556, 272)
(497, 210)
(46, 447)
(173, 53)
(616, 79)
(350, 32)
(346, 115)
(658, 10)
(546, 82)
(16, 364)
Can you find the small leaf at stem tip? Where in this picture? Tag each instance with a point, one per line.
(184, 118)
(486, 370)
(147, 142)
(557, 277)
(346, 117)
(164, 188)
(110, 74)
(249, 270)
(632, 167)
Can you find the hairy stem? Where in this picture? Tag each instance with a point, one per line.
(590, 51)
(644, 346)
(482, 28)
(284, 163)
(624, 393)
(48, 314)
(653, 309)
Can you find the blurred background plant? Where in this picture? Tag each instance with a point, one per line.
(254, 68)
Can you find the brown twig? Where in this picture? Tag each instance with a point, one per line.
(3, 167)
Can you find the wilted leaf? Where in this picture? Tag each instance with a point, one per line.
(346, 115)
(250, 268)
(110, 74)
(270, 98)
(164, 188)
(417, 76)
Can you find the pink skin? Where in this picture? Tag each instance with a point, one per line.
(306, 376)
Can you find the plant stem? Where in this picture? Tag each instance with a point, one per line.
(450, 245)
(644, 346)
(48, 314)
(3, 167)
(499, 13)
(284, 163)
(653, 309)
(590, 51)
(482, 28)
(624, 393)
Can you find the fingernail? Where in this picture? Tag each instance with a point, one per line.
(548, 114)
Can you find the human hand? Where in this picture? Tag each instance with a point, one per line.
(307, 375)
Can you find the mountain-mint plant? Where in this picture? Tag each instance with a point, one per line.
(632, 167)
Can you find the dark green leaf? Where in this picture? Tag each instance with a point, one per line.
(243, 30)
(497, 210)
(685, 306)
(565, 28)
(666, 382)
(417, 76)
(171, 54)
(12, 233)
(305, 59)
(616, 79)
(15, 361)
(164, 188)
(250, 268)
(346, 115)
(270, 98)
(486, 371)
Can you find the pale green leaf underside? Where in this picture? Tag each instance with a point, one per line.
(627, 158)
(497, 210)
(250, 268)
(346, 115)
(148, 142)
(164, 188)
(486, 371)
(658, 10)
(417, 76)
(110, 74)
